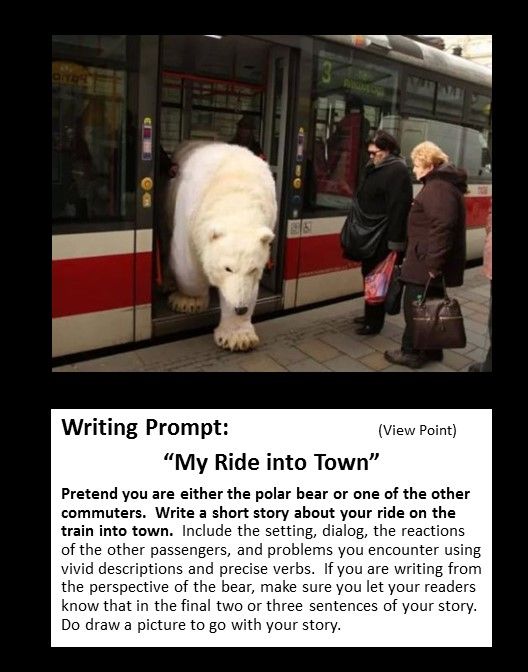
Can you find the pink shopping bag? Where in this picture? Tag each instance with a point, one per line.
(377, 281)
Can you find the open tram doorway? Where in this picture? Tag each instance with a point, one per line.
(208, 85)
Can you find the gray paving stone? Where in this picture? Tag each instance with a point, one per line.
(180, 369)
(179, 351)
(477, 355)
(125, 361)
(436, 367)
(466, 294)
(317, 349)
(479, 340)
(472, 282)
(478, 317)
(381, 343)
(338, 310)
(277, 328)
(392, 331)
(397, 320)
(347, 344)
(258, 362)
(469, 348)
(285, 354)
(308, 366)
(345, 363)
(454, 360)
(222, 368)
(478, 307)
(477, 327)
(483, 291)
(376, 361)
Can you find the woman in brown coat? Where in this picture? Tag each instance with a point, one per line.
(436, 241)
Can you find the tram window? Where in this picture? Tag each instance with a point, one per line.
(466, 147)
(170, 128)
(476, 157)
(419, 95)
(480, 110)
(93, 137)
(211, 109)
(373, 116)
(92, 46)
(351, 98)
(414, 130)
(450, 102)
(171, 88)
(234, 57)
(208, 85)
(277, 112)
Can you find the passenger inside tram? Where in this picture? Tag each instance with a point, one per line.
(340, 159)
(245, 135)
(347, 144)
(82, 171)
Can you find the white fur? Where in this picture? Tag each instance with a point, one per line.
(224, 212)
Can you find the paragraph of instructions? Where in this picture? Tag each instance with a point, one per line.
(275, 527)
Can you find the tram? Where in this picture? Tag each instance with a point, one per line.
(120, 102)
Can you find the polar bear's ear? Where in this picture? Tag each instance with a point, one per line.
(215, 232)
(266, 236)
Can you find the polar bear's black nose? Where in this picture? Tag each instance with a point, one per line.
(241, 311)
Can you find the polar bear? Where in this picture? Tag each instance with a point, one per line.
(224, 211)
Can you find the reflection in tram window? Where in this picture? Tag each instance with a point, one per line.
(450, 101)
(420, 95)
(466, 147)
(351, 98)
(92, 143)
(480, 109)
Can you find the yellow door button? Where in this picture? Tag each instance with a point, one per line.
(147, 183)
(297, 183)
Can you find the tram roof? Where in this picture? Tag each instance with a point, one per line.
(405, 50)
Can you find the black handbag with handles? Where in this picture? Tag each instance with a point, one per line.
(361, 233)
(437, 323)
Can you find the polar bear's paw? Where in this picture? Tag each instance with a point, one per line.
(241, 339)
(181, 303)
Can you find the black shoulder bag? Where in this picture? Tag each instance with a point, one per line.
(361, 233)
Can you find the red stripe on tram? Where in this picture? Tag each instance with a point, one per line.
(92, 284)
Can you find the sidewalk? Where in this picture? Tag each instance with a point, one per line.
(321, 339)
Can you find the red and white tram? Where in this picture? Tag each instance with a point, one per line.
(119, 101)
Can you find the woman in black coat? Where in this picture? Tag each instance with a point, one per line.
(385, 190)
(436, 244)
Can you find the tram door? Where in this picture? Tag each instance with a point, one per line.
(275, 143)
(208, 87)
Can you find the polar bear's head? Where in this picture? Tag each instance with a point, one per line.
(234, 259)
